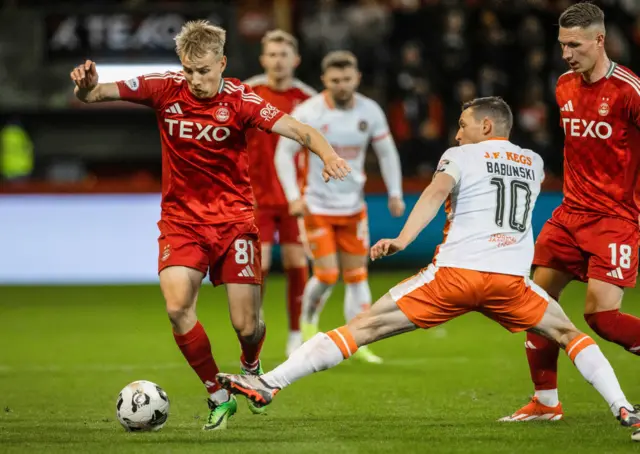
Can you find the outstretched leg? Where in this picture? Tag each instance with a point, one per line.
(324, 351)
(588, 359)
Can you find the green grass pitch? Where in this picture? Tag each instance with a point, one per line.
(66, 352)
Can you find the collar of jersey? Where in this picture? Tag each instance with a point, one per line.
(214, 98)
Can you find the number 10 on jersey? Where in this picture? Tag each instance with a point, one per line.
(517, 218)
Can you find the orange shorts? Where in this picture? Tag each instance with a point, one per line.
(328, 234)
(437, 295)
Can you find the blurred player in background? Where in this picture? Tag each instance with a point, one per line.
(207, 222)
(278, 86)
(490, 187)
(593, 236)
(335, 215)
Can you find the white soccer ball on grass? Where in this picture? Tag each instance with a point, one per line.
(142, 406)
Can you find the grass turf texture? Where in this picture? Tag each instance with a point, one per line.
(66, 352)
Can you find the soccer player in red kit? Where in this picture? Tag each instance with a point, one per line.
(278, 86)
(593, 236)
(207, 221)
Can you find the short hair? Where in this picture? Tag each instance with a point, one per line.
(339, 59)
(198, 37)
(582, 15)
(280, 36)
(495, 108)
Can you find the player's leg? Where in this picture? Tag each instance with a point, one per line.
(588, 359)
(352, 239)
(542, 353)
(602, 313)
(235, 258)
(266, 223)
(266, 251)
(180, 287)
(428, 299)
(357, 296)
(324, 351)
(526, 306)
(613, 265)
(321, 237)
(296, 267)
(558, 260)
(183, 264)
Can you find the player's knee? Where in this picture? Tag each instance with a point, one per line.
(603, 324)
(328, 276)
(294, 257)
(251, 331)
(566, 334)
(355, 275)
(181, 316)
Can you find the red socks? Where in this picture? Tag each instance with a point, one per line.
(196, 348)
(296, 280)
(614, 326)
(542, 355)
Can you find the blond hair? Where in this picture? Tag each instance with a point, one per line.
(280, 36)
(198, 37)
(339, 59)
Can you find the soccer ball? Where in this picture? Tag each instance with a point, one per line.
(142, 406)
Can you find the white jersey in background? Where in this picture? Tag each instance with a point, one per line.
(489, 210)
(349, 131)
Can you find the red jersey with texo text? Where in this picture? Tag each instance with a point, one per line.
(601, 122)
(262, 145)
(205, 164)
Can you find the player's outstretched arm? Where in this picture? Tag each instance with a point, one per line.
(421, 215)
(391, 170)
(334, 166)
(88, 89)
(286, 169)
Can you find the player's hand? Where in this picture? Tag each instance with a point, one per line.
(85, 76)
(297, 208)
(335, 167)
(386, 247)
(396, 206)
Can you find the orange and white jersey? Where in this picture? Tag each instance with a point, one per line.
(349, 131)
(488, 225)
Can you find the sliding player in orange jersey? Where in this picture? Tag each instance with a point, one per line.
(489, 187)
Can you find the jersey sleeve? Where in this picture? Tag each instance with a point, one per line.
(451, 163)
(146, 90)
(256, 112)
(379, 126)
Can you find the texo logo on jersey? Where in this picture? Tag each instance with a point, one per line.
(583, 128)
(186, 130)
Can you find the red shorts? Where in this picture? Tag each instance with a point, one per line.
(589, 246)
(276, 225)
(230, 252)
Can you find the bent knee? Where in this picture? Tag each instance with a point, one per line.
(355, 275)
(328, 276)
(177, 311)
(566, 334)
(249, 329)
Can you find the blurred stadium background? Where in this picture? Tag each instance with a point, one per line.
(79, 199)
